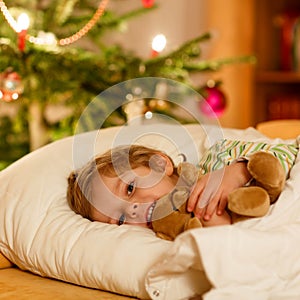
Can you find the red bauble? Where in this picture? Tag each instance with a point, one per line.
(148, 3)
(215, 102)
(10, 85)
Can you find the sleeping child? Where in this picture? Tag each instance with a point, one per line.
(123, 185)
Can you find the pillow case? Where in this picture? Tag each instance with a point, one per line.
(40, 233)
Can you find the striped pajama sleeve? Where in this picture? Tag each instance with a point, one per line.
(226, 152)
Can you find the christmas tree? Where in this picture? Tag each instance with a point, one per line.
(60, 60)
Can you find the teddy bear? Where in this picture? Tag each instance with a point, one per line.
(170, 217)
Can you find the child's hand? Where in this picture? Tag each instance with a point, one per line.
(211, 191)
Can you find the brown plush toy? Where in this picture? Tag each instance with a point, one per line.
(171, 218)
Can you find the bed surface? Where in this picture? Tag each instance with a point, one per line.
(21, 285)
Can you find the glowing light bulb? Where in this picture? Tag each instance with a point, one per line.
(159, 43)
(23, 22)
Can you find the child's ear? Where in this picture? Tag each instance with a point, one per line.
(162, 163)
(169, 168)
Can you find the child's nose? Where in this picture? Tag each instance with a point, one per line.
(132, 211)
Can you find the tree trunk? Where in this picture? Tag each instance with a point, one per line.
(38, 133)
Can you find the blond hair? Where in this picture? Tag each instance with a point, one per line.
(111, 164)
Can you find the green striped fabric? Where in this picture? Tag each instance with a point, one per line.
(226, 151)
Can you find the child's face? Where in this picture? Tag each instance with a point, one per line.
(129, 198)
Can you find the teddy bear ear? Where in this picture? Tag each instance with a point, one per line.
(188, 172)
(161, 163)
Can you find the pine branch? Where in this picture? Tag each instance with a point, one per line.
(216, 64)
(181, 50)
(64, 10)
(113, 21)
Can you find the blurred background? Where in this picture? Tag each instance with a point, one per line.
(57, 56)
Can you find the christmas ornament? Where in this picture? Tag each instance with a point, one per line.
(148, 3)
(10, 86)
(215, 101)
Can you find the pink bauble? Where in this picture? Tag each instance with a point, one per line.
(215, 102)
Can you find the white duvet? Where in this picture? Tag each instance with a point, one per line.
(257, 259)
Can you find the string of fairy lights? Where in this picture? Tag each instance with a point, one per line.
(10, 82)
(21, 25)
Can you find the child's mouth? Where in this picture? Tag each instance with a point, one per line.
(149, 214)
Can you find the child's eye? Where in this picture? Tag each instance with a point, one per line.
(130, 188)
(121, 219)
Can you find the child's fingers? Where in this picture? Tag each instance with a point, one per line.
(200, 212)
(222, 205)
(191, 203)
(212, 206)
(194, 197)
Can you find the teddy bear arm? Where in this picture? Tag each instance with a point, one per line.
(171, 225)
(179, 199)
(193, 223)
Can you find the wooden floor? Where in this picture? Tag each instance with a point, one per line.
(19, 285)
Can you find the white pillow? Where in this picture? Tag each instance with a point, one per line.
(40, 233)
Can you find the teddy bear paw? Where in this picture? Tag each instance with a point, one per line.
(267, 173)
(249, 201)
